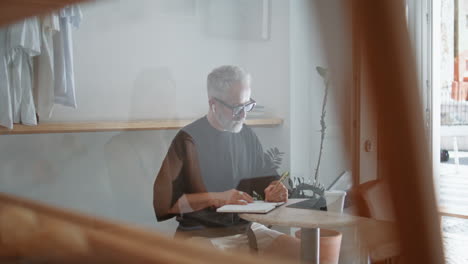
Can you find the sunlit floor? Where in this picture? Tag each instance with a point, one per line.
(455, 235)
(453, 184)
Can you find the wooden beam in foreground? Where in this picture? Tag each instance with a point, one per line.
(405, 151)
(32, 230)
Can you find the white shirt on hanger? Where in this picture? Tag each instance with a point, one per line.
(44, 85)
(63, 56)
(23, 42)
(6, 117)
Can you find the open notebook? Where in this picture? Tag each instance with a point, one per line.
(259, 207)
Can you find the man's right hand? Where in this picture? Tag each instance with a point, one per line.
(232, 196)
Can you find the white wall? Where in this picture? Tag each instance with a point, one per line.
(145, 61)
(150, 61)
(368, 163)
(318, 38)
(314, 26)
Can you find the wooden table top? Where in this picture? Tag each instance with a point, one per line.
(295, 217)
(373, 231)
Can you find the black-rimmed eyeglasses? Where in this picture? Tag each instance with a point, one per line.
(237, 109)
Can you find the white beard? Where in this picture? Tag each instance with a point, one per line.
(233, 126)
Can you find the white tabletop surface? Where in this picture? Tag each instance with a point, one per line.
(295, 217)
(378, 237)
(375, 231)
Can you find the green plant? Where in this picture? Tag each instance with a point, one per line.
(274, 158)
(323, 72)
(301, 188)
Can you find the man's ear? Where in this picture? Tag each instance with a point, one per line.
(211, 102)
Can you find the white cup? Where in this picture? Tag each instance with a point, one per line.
(335, 201)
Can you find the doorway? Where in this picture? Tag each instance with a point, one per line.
(450, 130)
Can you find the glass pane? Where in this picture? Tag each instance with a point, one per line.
(157, 67)
(453, 127)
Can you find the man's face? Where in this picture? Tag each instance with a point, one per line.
(238, 94)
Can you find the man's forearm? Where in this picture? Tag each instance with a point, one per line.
(194, 202)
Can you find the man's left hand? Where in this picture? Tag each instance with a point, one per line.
(276, 192)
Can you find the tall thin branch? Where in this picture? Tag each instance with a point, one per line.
(323, 125)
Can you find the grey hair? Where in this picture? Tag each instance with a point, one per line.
(224, 77)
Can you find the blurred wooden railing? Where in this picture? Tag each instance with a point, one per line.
(30, 231)
(33, 230)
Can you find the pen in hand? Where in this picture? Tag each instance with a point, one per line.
(276, 192)
(282, 178)
(271, 187)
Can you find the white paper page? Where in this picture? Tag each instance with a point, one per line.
(255, 207)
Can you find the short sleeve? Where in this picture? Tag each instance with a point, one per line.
(188, 178)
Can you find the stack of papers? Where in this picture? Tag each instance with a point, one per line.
(259, 207)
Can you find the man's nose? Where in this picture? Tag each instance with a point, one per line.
(242, 114)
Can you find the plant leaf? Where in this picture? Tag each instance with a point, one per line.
(322, 71)
(270, 153)
(276, 150)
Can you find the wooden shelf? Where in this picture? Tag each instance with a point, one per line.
(105, 126)
(14, 10)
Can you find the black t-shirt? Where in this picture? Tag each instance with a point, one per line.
(224, 159)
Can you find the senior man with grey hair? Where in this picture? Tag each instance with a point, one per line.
(218, 160)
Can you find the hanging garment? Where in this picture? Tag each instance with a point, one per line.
(6, 117)
(23, 43)
(64, 87)
(44, 81)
